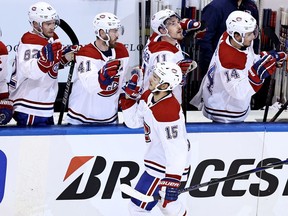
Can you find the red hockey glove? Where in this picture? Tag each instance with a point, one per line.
(107, 73)
(133, 87)
(68, 53)
(190, 24)
(262, 69)
(279, 56)
(49, 55)
(6, 111)
(187, 66)
(168, 190)
(199, 27)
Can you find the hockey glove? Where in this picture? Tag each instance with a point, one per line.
(190, 24)
(186, 65)
(6, 111)
(49, 55)
(262, 69)
(68, 53)
(133, 87)
(108, 72)
(279, 56)
(168, 190)
(199, 27)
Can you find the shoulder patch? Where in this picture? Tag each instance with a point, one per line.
(167, 110)
(90, 51)
(162, 46)
(121, 51)
(230, 57)
(30, 38)
(3, 49)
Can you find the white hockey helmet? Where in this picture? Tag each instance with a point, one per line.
(241, 22)
(106, 21)
(42, 12)
(169, 73)
(159, 18)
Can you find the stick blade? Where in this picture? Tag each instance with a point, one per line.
(127, 189)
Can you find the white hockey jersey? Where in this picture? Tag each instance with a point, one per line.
(3, 70)
(88, 103)
(160, 51)
(168, 148)
(225, 90)
(33, 91)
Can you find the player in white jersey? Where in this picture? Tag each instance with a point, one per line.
(33, 85)
(235, 72)
(100, 71)
(6, 105)
(167, 157)
(163, 45)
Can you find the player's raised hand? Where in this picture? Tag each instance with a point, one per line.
(279, 56)
(68, 53)
(133, 87)
(168, 190)
(190, 24)
(108, 72)
(187, 66)
(262, 69)
(49, 55)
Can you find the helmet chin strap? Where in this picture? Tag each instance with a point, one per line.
(239, 43)
(106, 41)
(40, 32)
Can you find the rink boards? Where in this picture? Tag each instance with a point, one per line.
(77, 170)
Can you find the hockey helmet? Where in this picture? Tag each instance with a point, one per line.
(169, 73)
(159, 18)
(241, 22)
(42, 12)
(106, 21)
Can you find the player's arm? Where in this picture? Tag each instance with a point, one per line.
(176, 147)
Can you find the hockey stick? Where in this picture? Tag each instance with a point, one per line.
(72, 36)
(275, 40)
(127, 189)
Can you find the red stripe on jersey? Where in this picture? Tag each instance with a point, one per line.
(90, 51)
(30, 38)
(230, 57)
(151, 191)
(173, 176)
(121, 51)
(3, 49)
(162, 46)
(167, 110)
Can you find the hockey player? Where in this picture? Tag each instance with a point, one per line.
(166, 159)
(235, 72)
(6, 105)
(33, 85)
(101, 67)
(163, 45)
(214, 15)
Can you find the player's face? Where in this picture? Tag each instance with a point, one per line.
(174, 28)
(249, 37)
(48, 28)
(153, 81)
(114, 35)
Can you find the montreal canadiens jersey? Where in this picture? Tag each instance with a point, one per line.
(160, 51)
(32, 91)
(88, 103)
(3, 70)
(226, 88)
(165, 134)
